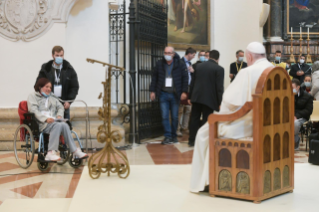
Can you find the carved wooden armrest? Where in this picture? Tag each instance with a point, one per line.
(214, 118)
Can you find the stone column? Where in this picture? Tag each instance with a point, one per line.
(275, 21)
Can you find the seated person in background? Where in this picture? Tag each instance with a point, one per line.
(300, 69)
(278, 61)
(46, 108)
(303, 108)
(315, 81)
(236, 66)
(306, 85)
(235, 96)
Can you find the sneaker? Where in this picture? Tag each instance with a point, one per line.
(174, 140)
(51, 156)
(179, 133)
(166, 141)
(78, 154)
(297, 149)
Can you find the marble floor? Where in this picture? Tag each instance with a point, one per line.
(61, 181)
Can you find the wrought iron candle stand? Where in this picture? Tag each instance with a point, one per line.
(106, 135)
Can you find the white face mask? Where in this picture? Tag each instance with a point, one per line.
(168, 57)
(241, 59)
(302, 61)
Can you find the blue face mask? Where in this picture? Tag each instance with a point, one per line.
(206, 59)
(278, 58)
(202, 58)
(168, 57)
(240, 59)
(45, 95)
(294, 91)
(58, 60)
(308, 84)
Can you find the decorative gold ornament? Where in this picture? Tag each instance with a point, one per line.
(109, 152)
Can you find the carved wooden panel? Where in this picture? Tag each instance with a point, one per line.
(242, 160)
(224, 158)
(276, 111)
(284, 84)
(269, 85)
(276, 145)
(242, 183)
(285, 110)
(266, 149)
(277, 82)
(277, 179)
(224, 180)
(285, 149)
(267, 112)
(267, 182)
(286, 176)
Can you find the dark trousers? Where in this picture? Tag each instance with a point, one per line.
(195, 123)
(67, 113)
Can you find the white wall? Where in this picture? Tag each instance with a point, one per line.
(86, 35)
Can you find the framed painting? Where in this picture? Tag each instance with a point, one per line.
(188, 24)
(304, 14)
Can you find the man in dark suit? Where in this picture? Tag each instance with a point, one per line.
(206, 92)
(300, 69)
(236, 66)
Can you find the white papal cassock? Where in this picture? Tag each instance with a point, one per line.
(235, 96)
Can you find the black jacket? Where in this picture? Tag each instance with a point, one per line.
(295, 68)
(179, 74)
(303, 105)
(195, 65)
(69, 79)
(207, 86)
(233, 69)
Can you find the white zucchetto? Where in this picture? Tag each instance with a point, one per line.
(256, 48)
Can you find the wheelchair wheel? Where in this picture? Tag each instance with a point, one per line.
(42, 166)
(24, 149)
(64, 154)
(74, 162)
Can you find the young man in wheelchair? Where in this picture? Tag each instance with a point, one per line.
(46, 108)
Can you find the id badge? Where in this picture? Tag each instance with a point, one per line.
(58, 90)
(168, 82)
(46, 113)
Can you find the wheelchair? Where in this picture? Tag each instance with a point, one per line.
(24, 145)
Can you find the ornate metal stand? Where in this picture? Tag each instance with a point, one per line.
(292, 57)
(103, 157)
(308, 60)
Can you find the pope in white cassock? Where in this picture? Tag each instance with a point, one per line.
(235, 96)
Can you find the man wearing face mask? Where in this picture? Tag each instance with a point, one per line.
(235, 96)
(303, 108)
(62, 76)
(185, 107)
(278, 61)
(299, 70)
(306, 85)
(170, 85)
(206, 55)
(236, 66)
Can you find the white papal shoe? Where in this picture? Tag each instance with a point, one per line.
(79, 154)
(51, 156)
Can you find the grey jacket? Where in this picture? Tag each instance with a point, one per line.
(36, 104)
(315, 85)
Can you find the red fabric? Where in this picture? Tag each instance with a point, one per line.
(300, 7)
(23, 108)
(185, 102)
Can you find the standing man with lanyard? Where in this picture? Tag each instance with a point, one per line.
(185, 107)
(170, 85)
(299, 70)
(62, 76)
(235, 67)
(278, 62)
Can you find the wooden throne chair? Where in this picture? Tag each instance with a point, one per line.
(263, 166)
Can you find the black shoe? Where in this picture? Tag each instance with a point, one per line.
(174, 140)
(167, 141)
(191, 144)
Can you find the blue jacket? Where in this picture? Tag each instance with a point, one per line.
(179, 74)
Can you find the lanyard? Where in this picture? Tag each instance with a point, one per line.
(241, 65)
(169, 71)
(57, 79)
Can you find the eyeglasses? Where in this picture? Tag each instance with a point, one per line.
(168, 53)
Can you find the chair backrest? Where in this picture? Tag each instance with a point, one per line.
(23, 108)
(273, 119)
(315, 113)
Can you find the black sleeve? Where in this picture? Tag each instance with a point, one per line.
(293, 71)
(231, 70)
(220, 85)
(192, 85)
(306, 111)
(73, 86)
(184, 78)
(41, 75)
